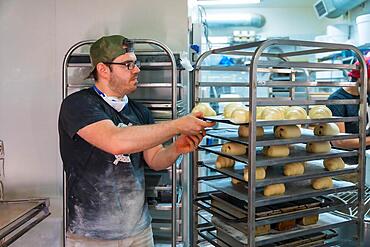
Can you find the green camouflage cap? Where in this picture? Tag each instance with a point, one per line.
(107, 48)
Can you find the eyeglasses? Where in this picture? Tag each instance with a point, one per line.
(129, 65)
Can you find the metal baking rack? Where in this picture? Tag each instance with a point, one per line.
(208, 179)
(161, 89)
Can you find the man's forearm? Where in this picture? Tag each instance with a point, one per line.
(138, 138)
(350, 143)
(164, 158)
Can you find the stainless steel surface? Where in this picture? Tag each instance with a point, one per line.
(269, 138)
(293, 191)
(281, 84)
(253, 53)
(19, 216)
(327, 221)
(298, 154)
(221, 119)
(274, 173)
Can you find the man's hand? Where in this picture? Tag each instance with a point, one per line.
(186, 144)
(192, 125)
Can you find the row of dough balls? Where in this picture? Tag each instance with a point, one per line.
(291, 131)
(233, 148)
(295, 169)
(279, 151)
(239, 113)
(317, 184)
(298, 168)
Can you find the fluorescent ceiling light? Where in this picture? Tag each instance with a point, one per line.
(226, 2)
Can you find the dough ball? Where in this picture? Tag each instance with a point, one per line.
(243, 131)
(294, 169)
(276, 151)
(229, 108)
(234, 148)
(272, 113)
(205, 108)
(322, 183)
(318, 147)
(262, 230)
(274, 190)
(326, 129)
(308, 220)
(321, 111)
(287, 131)
(240, 115)
(284, 225)
(259, 111)
(235, 181)
(333, 164)
(260, 173)
(295, 112)
(223, 162)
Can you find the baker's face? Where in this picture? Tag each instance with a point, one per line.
(123, 76)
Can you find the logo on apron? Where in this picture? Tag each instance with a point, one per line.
(125, 158)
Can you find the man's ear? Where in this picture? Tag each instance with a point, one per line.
(102, 69)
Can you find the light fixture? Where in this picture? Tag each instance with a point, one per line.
(226, 2)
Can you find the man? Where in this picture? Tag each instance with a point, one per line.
(105, 141)
(350, 111)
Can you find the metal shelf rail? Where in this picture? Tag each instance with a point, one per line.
(208, 179)
(171, 108)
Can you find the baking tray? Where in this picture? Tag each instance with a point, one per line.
(297, 154)
(270, 139)
(326, 221)
(318, 239)
(233, 210)
(293, 191)
(221, 119)
(274, 174)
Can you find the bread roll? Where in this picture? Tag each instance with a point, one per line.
(318, 147)
(243, 131)
(223, 162)
(326, 129)
(240, 115)
(320, 111)
(308, 220)
(259, 110)
(276, 151)
(262, 230)
(334, 164)
(205, 108)
(260, 173)
(274, 190)
(229, 108)
(287, 131)
(294, 169)
(234, 148)
(272, 113)
(284, 225)
(235, 181)
(295, 112)
(322, 183)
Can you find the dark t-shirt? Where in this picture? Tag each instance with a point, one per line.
(348, 111)
(105, 192)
